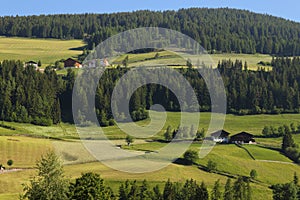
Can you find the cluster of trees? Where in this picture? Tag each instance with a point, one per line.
(271, 131)
(190, 190)
(184, 133)
(50, 183)
(248, 92)
(28, 96)
(287, 191)
(290, 148)
(104, 88)
(261, 91)
(44, 98)
(217, 30)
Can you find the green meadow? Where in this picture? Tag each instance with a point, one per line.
(26, 143)
(46, 50)
(170, 58)
(233, 124)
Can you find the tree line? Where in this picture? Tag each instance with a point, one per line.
(271, 131)
(50, 183)
(290, 148)
(28, 96)
(248, 92)
(217, 30)
(45, 98)
(287, 191)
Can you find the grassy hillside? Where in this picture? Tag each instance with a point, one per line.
(233, 124)
(24, 151)
(230, 159)
(262, 153)
(46, 50)
(169, 58)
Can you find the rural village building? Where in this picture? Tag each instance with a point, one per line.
(96, 63)
(72, 63)
(32, 63)
(220, 136)
(242, 138)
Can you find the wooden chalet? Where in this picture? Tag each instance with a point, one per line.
(32, 63)
(242, 138)
(220, 136)
(72, 63)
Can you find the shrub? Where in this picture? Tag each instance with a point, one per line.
(253, 174)
(190, 156)
(10, 162)
(42, 121)
(211, 166)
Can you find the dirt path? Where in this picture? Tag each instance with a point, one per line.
(11, 170)
(275, 161)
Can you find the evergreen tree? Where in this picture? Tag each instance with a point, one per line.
(50, 182)
(202, 192)
(296, 179)
(168, 134)
(90, 186)
(216, 193)
(287, 141)
(228, 193)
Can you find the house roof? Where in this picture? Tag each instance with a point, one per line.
(71, 59)
(242, 136)
(220, 133)
(31, 62)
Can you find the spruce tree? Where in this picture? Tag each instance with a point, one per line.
(216, 193)
(228, 193)
(287, 141)
(49, 183)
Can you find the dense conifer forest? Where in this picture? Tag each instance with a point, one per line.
(217, 30)
(45, 98)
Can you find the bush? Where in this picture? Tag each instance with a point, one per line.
(190, 156)
(293, 154)
(129, 139)
(42, 121)
(139, 114)
(112, 122)
(211, 166)
(10, 162)
(253, 174)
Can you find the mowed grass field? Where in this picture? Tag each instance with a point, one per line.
(230, 158)
(262, 153)
(170, 58)
(51, 50)
(233, 124)
(236, 161)
(24, 150)
(46, 50)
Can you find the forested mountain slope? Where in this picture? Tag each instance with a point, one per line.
(218, 30)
